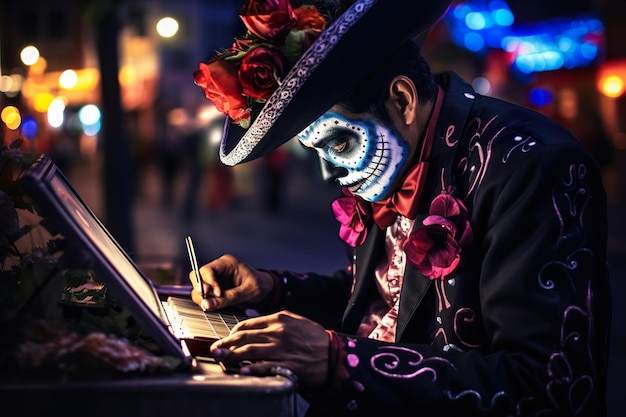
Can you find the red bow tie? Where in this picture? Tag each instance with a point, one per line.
(404, 201)
(354, 213)
(351, 213)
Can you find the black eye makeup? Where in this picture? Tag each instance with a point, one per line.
(340, 147)
(342, 143)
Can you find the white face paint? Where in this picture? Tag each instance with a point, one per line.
(372, 153)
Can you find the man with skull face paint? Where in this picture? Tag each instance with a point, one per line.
(372, 154)
(477, 231)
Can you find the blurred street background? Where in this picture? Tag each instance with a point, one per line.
(106, 89)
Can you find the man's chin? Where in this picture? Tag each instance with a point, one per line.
(367, 196)
(369, 192)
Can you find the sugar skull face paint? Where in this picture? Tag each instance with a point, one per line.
(373, 154)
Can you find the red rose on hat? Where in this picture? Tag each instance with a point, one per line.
(268, 18)
(218, 78)
(260, 72)
(308, 17)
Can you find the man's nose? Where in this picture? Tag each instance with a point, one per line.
(331, 173)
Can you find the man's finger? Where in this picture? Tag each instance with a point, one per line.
(266, 368)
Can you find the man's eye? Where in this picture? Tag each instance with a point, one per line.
(340, 147)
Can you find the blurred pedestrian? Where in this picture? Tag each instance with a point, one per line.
(220, 185)
(168, 146)
(274, 175)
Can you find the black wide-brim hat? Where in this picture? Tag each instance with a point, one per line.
(339, 58)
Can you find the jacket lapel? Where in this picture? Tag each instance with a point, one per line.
(452, 119)
(366, 257)
(414, 288)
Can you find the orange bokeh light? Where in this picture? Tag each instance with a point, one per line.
(611, 80)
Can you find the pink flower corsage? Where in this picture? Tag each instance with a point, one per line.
(353, 213)
(435, 249)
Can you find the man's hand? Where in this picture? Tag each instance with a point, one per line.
(228, 281)
(281, 339)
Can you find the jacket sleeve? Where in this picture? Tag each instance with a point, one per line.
(540, 229)
(321, 298)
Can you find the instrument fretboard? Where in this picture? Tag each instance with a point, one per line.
(190, 322)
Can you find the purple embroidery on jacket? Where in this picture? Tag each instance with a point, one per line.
(570, 203)
(353, 360)
(465, 318)
(579, 196)
(404, 363)
(569, 199)
(351, 342)
(560, 270)
(442, 298)
(441, 332)
(571, 384)
(525, 145)
(569, 379)
(449, 133)
(478, 397)
(479, 168)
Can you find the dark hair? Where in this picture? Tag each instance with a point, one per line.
(372, 92)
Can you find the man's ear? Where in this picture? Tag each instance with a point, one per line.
(403, 99)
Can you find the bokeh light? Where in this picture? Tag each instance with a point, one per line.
(541, 96)
(11, 117)
(91, 130)
(167, 27)
(56, 112)
(502, 15)
(481, 85)
(177, 117)
(565, 42)
(214, 136)
(42, 102)
(127, 76)
(29, 55)
(89, 114)
(39, 67)
(474, 41)
(612, 86)
(68, 79)
(29, 127)
(7, 111)
(6, 83)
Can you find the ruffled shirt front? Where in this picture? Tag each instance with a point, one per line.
(380, 321)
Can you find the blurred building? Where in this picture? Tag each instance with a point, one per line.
(565, 58)
(101, 80)
(152, 68)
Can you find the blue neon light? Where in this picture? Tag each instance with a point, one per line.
(541, 96)
(29, 127)
(551, 45)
